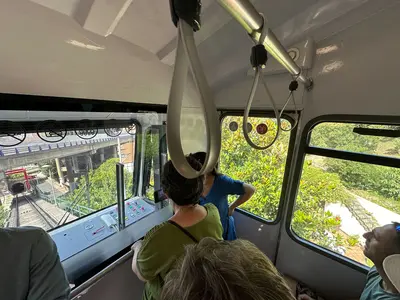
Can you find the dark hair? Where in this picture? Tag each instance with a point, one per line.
(229, 270)
(201, 158)
(181, 190)
(397, 228)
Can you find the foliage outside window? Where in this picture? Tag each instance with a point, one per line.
(101, 186)
(340, 136)
(338, 200)
(151, 153)
(263, 169)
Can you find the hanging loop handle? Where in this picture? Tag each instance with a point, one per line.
(258, 60)
(187, 56)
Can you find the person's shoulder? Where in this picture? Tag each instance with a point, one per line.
(373, 274)
(373, 271)
(26, 235)
(212, 210)
(156, 231)
(223, 177)
(226, 179)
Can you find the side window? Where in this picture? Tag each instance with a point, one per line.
(345, 191)
(154, 159)
(55, 176)
(263, 169)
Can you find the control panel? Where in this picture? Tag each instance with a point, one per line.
(81, 234)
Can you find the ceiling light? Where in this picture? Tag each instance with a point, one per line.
(85, 46)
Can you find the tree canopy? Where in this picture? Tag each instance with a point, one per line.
(102, 186)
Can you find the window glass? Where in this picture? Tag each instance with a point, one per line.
(153, 160)
(64, 180)
(339, 200)
(262, 169)
(347, 136)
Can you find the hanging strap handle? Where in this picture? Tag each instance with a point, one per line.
(184, 231)
(187, 56)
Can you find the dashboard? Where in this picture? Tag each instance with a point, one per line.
(84, 233)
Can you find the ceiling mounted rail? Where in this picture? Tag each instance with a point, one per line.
(246, 14)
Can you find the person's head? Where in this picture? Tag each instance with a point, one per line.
(201, 158)
(382, 242)
(180, 190)
(229, 270)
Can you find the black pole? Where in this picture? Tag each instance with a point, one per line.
(120, 195)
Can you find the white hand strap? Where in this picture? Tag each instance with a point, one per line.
(391, 265)
(187, 56)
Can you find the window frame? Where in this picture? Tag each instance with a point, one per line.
(305, 148)
(161, 129)
(289, 158)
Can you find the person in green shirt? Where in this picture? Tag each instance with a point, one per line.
(381, 243)
(30, 268)
(156, 255)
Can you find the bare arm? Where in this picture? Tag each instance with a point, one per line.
(136, 248)
(248, 193)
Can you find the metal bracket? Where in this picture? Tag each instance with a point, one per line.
(187, 10)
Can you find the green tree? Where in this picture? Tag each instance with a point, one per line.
(102, 186)
(310, 220)
(3, 216)
(340, 136)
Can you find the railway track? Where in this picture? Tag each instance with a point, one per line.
(50, 220)
(27, 212)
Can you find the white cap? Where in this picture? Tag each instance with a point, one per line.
(391, 265)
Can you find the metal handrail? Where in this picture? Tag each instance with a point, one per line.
(253, 22)
(76, 293)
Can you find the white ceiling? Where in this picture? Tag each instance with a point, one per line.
(124, 49)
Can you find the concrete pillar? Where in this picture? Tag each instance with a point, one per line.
(89, 162)
(115, 151)
(119, 151)
(87, 189)
(70, 173)
(101, 153)
(59, 171)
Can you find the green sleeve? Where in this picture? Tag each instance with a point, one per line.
(152, 257)
(47, 277)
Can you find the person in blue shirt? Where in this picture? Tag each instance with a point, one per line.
(380, 243)
(217, 188)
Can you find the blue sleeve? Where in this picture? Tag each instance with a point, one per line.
(230, 186)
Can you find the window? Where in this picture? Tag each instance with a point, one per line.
(263, 169)
(155, 157)
(361, 138)
(349, 185)
(63, 174)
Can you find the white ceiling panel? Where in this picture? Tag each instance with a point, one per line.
(147, 23)
(65, 60)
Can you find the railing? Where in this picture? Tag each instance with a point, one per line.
(45, 147)
(80, 210)
(76, 210)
